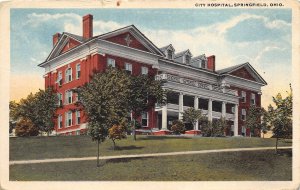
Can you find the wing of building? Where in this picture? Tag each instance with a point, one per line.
(193, 80)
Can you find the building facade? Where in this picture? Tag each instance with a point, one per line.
(192, 80)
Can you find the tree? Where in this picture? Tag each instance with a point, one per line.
(178, 127)
(145, 92)
(39, 108)
(280, 117)
(105, 101)
(206, 128)
(192, 115)
(45, 105)
(253, 120)
(13, 108)
(218, 127)
(26, 128)
(117, 132)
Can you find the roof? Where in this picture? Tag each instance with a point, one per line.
(76, 37)
(180, 54)
(229, 69)
(203, 57)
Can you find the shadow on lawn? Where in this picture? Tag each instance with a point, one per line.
(131, 147)
(124, 160)
(162, 137)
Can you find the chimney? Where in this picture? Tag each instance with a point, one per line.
(211, 63)
(56, 38)
(87, 26)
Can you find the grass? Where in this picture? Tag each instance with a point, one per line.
(82, 146)
(230, 166)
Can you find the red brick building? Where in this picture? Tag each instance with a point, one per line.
(193, 80)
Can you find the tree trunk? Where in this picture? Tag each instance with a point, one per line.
(276, 145)
(114, 144)
(134, 135)
(98, 154)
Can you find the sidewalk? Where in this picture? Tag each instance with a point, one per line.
(141, 155)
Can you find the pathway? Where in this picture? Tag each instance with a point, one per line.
(141, 155)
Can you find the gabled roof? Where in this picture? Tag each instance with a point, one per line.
(131, 28)
(59, 45)
(136, 33)
(202, 57)
(76, 37)
(163, 49)
(248, 67)
(180, 54)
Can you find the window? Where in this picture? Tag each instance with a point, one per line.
(243, 114)
(128, 67)
(76, 97)
(111, 62)
(77, 117)
(232, 109)
(59, 78)
(144, 70)
(243, 96)
(170, 54)
(187, 59)
(68, 119)
(203, 64)
(59, 97)
(59, 121)
(78, 132)
(144, 119)
(68, 97)
(68, 75)
(78, 71)
(243, 131)
(252, 99)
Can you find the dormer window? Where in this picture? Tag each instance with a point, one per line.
(170, 54)
(187, 59)
(203, 64)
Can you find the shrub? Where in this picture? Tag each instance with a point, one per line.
(26, 128)
(178, 127)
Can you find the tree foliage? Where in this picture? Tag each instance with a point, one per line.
(38, 108)
(218, 127)
(192, 115)
(25, 128)
(279, 118)
(253, 120)
(105, 101)
(178, 127)
(117, 132)
(144, 93)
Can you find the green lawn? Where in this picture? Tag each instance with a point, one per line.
(238, 166)
(82, 146)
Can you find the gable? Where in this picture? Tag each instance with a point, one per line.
(127, 39)
(130, 36)
(243, 73)
(69, 45)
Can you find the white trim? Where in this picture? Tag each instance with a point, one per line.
(76, 70)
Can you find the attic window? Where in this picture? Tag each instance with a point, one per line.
(170, 54)
(187, 59)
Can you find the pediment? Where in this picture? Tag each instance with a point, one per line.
(131, 37)
(246, 71)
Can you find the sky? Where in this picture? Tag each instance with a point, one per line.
(261, 37)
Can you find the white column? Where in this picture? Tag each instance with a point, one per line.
(209, 110)
(164, 118)
(224, 110)
(196, 105)
(180, 106)
(236, 118)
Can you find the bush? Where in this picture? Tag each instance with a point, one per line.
(178, 127)
(26, 128)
